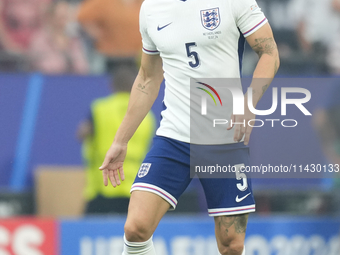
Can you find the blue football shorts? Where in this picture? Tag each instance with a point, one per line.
(165, 171)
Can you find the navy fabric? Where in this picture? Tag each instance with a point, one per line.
(170, 171)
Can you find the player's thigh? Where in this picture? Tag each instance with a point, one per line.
(160, 181)
(146, 209)
(230, 231)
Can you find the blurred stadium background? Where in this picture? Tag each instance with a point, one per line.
(43, 99)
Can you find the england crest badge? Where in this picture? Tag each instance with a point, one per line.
(211, 18)
(144, 169)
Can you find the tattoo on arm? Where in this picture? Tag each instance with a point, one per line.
(141, 88)
(239, 222)
(264, 46)
(264, 88)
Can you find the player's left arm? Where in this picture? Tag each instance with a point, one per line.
(263, 43)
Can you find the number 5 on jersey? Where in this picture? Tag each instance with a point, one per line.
(241, 176)
(192, 54)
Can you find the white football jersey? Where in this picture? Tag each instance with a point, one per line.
(195, 39)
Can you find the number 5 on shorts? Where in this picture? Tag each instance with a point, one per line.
(241, 176)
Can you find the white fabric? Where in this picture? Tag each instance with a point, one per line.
(140, 248)
(156, 190)
(169, 26)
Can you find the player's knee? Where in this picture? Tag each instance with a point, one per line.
(231, 247)
(136, 232)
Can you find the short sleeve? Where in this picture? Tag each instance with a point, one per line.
(148, 46)
(248, 16)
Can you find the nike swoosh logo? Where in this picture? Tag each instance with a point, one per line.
(237, 199)
(160, 28)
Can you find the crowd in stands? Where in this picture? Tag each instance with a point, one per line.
(87, 36)
(59, 36)
(40, 35)
(318, 30)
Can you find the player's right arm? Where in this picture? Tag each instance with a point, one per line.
(143, 94)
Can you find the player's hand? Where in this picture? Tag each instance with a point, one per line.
(113, 163)
(242, 127)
